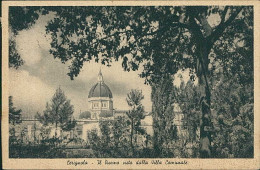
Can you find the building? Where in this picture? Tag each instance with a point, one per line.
(100, 105)
(100, 100)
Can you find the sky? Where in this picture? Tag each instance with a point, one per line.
(34, 83)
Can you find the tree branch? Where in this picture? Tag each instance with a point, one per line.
(222, 26)
(195, 28)
(205, 25)
(224, 15)
(181, 25)
(173, 24)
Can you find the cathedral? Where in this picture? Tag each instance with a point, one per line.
(100, 105)
(100, 99)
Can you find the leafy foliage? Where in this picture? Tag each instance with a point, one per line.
(146, 35)
(188, 97)
(14, 114)
(59, 112)
(163, 114)
(14, 119)
(15, 60)
(234, 49)
(234, 118)
(47, 148)
(113, 141)
(134, 98)
(85, 115)
(106, 114)
(20, 18)
(232, 112)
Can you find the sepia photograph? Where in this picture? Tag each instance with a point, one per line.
(115, 81)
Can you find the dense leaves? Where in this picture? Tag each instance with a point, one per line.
(58, 112)
(14, 120)
(234, 49)
(188, 97)
(136, 114)
(106, 114)
(14, 114)
(145, 35)
(85, 115)
(234, 118)
(15, 60)
(20, 18)
(163, 98)
(232, 112)
(113, 141)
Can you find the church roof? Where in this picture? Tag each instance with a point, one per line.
(100, 89)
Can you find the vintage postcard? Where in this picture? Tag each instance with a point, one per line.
(130, 84)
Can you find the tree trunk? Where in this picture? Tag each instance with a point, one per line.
(56, 129)
(14, 128)
(205, 124)
(203, 47)
(205, 134)
(156, 144)
(61, 134)
(132, 133)
(156, 125)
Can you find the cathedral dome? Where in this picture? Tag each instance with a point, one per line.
(100, 89)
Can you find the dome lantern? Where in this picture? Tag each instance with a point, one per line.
(100, 76)
(100, 89)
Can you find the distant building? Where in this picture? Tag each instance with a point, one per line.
(100, 105)
(100, 99)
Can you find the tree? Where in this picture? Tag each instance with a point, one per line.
(85, 115)
(188, 97)
(162, 38)
(113, 142)
(14, 114)
(14, 118)
(20, 18)
(134, 98)
(58, 112)
(163, 115)
(106, 114)
(232, 112)
(233, 117)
